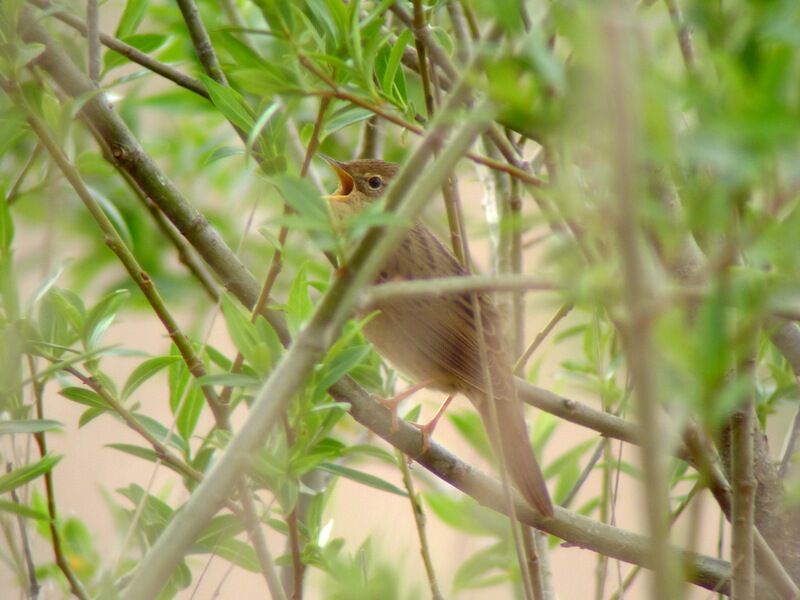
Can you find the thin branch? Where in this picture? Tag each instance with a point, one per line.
(683, 32)
(75, 585)
(162, 452)
(519, 367)
(791, 444)
(33, 582)
(127, 50)
(577, 530)
(419, 521)
(629, 579)
(201, 41)
(14, 190)
(256, 535)
(636, 333)
(450, 285)
(93, 39)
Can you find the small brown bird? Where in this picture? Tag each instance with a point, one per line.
(434, 340)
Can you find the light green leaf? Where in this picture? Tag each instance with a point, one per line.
(22, 510)
(361, 477)
(145, 371)
(131, 17)
(230, 103)
(29, 426)
(23, 475)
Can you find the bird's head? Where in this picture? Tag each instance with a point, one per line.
(361, 182)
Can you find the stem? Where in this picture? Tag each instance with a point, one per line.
(127, 50)
(419, 521)
(93, 37)
(744, 491)
(636, 333)
(684, 34)
(201, 41)
(33, 582)
(519, 367)
(75, 586)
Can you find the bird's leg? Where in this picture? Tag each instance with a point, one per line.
(427, 428)
(392, 403)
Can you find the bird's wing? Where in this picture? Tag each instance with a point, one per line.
(443, 329)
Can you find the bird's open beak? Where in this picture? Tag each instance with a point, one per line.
(346, 183)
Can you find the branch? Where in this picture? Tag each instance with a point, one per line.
(576, 529)
(744, 491)
(416, 288)
(201, 41)
(127, 51)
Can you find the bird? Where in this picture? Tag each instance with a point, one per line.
(434, 340)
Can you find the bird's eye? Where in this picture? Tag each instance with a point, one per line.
(374, 182)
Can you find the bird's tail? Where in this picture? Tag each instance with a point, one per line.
(517, 454)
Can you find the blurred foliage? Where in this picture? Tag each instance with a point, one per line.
(724, 129)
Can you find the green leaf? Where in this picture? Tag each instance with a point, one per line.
(361, 477)
(114, 215)
(160, 432)
(23, 475)
(469, 424)
(339, 366)
(472, 572)
(230, 103)
(393, 62)
(299, 300)
(220, 153)
(147, 454)
(102, 315)
(235, 551)
(29, 426)
(131, 17)
(342, 118)
(190, 411)
(145, 371)
(260, 123)
(22, 510)
(83, 396)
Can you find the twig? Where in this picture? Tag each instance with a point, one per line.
(93, 39)
(419, 521)
(33, 582)
(256, 535)
(525, 565)
(743, 484)
(636, 334)
(791, 443)
(683, 32)
(451, 285)
(128, 51)
(569, 526)
(519, 367)
(201, 41)
(696, 488)
(14, 190)
(75, 585)
(163, 453)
